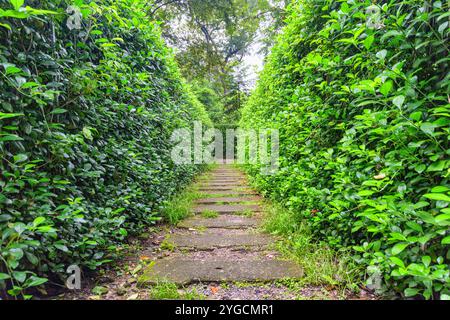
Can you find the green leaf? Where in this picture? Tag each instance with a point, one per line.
(4, 25)
(19, 276)
(437, 197)
(386, 88)
(61, 247)
(20, 158)
(416, 116)
(87, 133)
(46, 229)
(443, 27)
(96, 32)
(436, 166)
(16, 253)
(411, 292)
(365, 193)
(12, 70)
(99, 290)
(17, 3)
(4, 276)
(58, 111)
(397, 261)
(10, 137)
(414, 226)
(29, 84)
(368, 42)
(13, 14)
(32, 258)
(10, 115)
(37, 12)
(443, 217)
(421, 168)
(428, 128)
(440, 189)
(36, 281)
(398, 101)
(426, 260)
(38, 221)
(381, 54)
(446, 240)
(398, 248)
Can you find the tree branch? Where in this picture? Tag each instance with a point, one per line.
(152, 13)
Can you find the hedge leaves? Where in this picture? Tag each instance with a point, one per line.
(360, 94)
(86, 115)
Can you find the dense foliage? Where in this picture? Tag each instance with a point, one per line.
(86, 116)
(360, 94)
(213, 41)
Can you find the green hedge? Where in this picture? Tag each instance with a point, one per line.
(86, 117)
(362, 104)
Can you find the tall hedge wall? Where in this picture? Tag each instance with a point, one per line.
(86, 117)
(360, 93)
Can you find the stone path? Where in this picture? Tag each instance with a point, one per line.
(222, 242)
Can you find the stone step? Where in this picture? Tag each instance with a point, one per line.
(225, 171)
(224, 179)
(238, 184)
(223, 184)
(222, 221)
(222, 188)
(245, 193)
(228, 176)
(184, 271)
(211, 240)
(226, 200)
(227, 208)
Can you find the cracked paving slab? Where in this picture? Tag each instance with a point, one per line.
(184, 271)
(211, 240)
(227, 208)
(223, 221)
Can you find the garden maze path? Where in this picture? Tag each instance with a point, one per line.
(222, 242)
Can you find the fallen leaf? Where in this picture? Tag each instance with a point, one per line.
(381, 176)
(214, 290)
(133, 296)
(98, 290)
(137, 269)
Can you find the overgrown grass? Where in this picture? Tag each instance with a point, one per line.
(209, 214)
(179, 207)
(321, 265)
(247, 213)
(170, 291)
(167, 244)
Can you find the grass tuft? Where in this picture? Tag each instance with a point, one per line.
(179, 207)
(246, 213)
(209, 214)
(321, 264)
(167, 245)
(170, 291)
